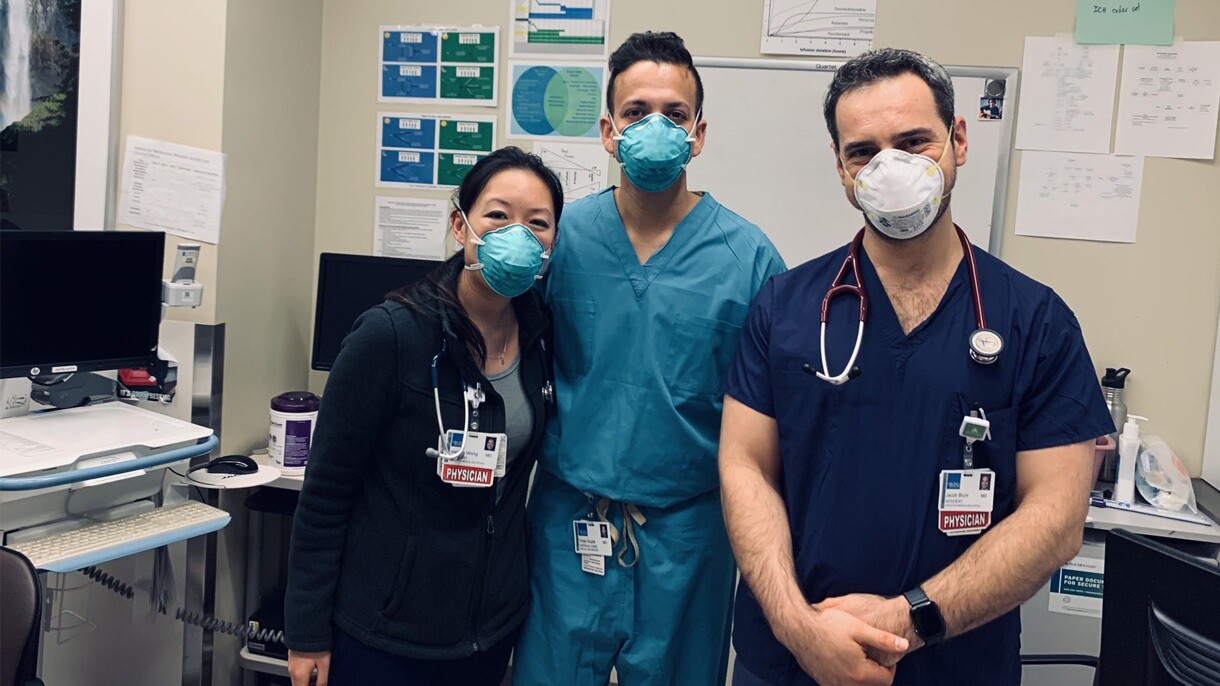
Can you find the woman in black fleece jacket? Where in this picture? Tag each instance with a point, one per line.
(395, 577)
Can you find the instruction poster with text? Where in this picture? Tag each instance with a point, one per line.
(430, 150)
(454, 65)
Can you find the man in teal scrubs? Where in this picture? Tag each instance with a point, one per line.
(649, 289)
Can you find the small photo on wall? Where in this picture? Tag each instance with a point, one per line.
(991, 108)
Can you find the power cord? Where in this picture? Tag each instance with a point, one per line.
(197, 619)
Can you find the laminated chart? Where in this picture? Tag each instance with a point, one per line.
(566, 28)
(454, 65)
(555, 101)
(430, 150)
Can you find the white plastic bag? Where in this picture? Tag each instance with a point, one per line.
(1162, 478)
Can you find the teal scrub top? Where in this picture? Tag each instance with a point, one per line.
(641, 350)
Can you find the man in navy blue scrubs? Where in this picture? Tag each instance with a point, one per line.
(896, 485)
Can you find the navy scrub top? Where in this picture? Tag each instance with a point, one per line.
(861, 461)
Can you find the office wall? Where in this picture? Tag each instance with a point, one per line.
(240, 77)
(1151, 306)
(172, 88)
(272, 54)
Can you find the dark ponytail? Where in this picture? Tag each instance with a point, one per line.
(439, 288)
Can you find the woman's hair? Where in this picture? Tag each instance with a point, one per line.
(439, 288)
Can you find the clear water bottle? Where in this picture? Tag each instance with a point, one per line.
(1112, 386)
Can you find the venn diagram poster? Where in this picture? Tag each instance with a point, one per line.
(430, 150)
(551, 101)
(454, 65)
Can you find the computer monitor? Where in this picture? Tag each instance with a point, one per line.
(347, 286)
(1160, 622)
(78, 301)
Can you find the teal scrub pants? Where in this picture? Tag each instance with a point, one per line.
(665, 621)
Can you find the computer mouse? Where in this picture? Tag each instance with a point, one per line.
(232, 464)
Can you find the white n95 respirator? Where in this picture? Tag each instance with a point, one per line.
(901, 193)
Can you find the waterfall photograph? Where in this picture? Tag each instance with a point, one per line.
(39, 76)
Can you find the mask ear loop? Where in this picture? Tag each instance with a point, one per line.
(474, 238)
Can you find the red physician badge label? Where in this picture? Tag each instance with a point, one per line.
(957, 523)
(460, 474)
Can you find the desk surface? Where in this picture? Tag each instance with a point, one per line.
(1109, 518)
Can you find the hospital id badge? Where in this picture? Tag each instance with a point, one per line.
(967, 497)
(592, 537)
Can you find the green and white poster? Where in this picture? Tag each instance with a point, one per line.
(454, 65)
(549, 101)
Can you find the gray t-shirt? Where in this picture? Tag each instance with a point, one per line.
(518, 414)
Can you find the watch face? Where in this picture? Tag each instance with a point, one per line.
(928, 623)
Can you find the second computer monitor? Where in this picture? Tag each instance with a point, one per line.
(347, 286)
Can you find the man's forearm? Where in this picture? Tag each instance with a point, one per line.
(762, 542)
(1006, 566)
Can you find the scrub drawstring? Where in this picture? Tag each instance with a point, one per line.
(632, 517)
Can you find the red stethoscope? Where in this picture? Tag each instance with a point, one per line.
(985, 344)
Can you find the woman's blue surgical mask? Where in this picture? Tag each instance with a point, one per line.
(511, 258)
(654, 151)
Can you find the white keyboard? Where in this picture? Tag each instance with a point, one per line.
(97, 543)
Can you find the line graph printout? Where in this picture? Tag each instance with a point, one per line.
(582, 167)
(570, 28)
(829, 28)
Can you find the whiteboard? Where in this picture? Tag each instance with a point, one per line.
(768, 155)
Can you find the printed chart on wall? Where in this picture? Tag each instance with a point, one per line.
(555, 101)
(831, 28)
(430, 150)
(569, 28)
(453, 65)
(582, 167)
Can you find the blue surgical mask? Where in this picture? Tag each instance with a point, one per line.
(654, 151)
(511, 258)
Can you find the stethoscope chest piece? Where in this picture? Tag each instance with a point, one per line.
(985, 346)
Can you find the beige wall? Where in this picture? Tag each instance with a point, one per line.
(262, 290)
(1151, 306)
(240, 77)
(172, 89)
(264, 286)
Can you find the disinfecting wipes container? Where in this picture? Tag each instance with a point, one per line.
(293, 416)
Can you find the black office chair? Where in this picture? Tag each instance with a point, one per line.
(1161, 624)
(21, 621)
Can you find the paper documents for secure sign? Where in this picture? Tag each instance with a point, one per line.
(1168, 100)
(410, 227)
(1087, 197)
(1067, 95)
(172, 188)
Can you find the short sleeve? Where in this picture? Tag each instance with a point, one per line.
(767, 263)
(749, 378)
(1062, 402)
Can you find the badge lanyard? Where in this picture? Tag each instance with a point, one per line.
(966, 496)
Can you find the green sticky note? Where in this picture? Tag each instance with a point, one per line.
(1134, 22)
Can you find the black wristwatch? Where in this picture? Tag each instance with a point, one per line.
(925, 615)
